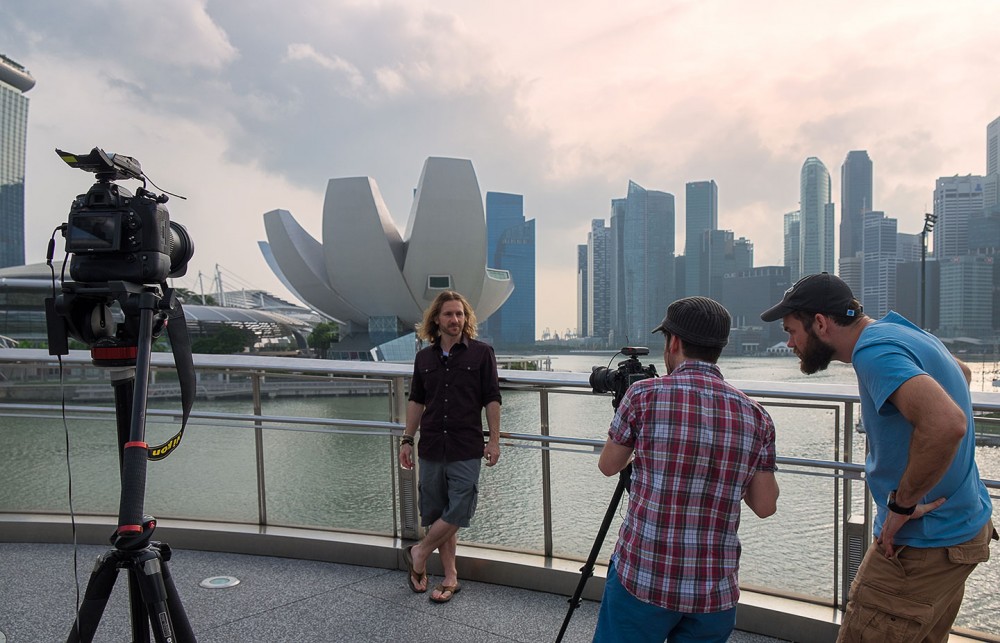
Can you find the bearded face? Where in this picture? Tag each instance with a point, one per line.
(815, 354)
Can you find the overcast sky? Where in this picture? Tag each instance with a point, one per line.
(245, 106)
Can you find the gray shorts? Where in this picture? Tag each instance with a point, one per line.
(449, 491)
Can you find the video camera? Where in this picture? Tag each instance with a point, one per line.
(124, 247)
(115, 235)
(629, 371)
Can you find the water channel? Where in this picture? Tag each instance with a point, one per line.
(345, 481)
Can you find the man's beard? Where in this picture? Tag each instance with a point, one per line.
(816, 355)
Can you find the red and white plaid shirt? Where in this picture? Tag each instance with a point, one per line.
(698, 442)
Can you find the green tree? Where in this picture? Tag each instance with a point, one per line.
(323, 335)
(227, 340)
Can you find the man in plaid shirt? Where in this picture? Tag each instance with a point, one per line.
(698, 447)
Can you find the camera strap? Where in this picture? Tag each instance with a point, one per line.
(180, 345)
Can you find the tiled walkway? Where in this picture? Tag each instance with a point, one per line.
(280, 600)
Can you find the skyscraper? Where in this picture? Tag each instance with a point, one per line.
(984, 232)
(855, 200)
(908, 246)
(878, 293)
(993, 147)
(511, 246)
(616, 261)
(14, 82)
(599, 283)
(816, 230)
(792, 237)
(967, 296)
(991, 191)
(582, 313)
(701, 206)
(648, 247)
(722, 254)
(956, 200)
(742, 293)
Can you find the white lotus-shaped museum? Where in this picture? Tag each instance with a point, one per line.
(365, 274)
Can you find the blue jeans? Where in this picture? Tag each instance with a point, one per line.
(625, 618)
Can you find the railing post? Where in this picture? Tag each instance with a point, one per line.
(407, 482)
(543, 403)
(840, 506)
(258, 432)
(857, 529)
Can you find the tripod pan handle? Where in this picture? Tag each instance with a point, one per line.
(133, 488)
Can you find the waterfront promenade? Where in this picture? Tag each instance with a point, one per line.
(316, 480)
(280, 599)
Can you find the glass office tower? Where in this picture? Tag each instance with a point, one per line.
(991, 193)
(599, 283)
(816, 219)
(648, 247)
(878, 275)
(14, 81)
(511, 246)
(855, 201)
(956, 200)
(792, 226)
(701, 207)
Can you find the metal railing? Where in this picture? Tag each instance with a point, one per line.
(258, 378)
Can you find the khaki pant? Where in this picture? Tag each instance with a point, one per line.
(913, 596)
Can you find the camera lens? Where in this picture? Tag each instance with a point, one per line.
(181, 249)
(603, 379)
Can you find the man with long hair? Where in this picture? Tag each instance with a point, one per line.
(454, 379)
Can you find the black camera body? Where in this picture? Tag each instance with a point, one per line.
(629, 371)
(114, 235)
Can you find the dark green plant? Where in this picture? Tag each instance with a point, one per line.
(323, 336)
(226, 340)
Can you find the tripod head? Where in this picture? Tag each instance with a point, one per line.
(84, 312)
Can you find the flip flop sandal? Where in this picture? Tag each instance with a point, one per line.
(451, 589)
(422, 576)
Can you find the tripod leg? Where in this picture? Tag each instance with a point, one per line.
(588, 568)
(182, 626)
(148, 570)
(95, 598)
(137, 611)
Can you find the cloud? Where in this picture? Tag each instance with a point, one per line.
(352, 77)
(247, 106)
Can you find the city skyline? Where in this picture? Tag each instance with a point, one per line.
(244, 119)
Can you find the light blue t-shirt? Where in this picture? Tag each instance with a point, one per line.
(888, 353)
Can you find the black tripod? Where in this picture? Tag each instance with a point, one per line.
(153, 597)
(624, 480)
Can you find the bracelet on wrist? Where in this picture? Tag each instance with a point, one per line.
(406, 439)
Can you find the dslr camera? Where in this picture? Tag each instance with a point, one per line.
(629, 371)
(116, 235)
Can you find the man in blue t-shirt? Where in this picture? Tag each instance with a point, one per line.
(933, 522)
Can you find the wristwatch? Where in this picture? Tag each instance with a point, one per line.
(893, 507)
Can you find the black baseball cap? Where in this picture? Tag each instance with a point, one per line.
(823, 293)
(697, 320)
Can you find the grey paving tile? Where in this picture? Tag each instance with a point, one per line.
(285, 600)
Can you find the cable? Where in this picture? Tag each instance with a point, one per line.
(69, 491)
(62, 401)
